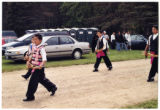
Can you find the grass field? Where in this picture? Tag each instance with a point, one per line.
(147, 104)
(9, 65)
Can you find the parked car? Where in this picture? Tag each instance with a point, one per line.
(138, 42)
(57, 46)
(8, 36)
(26, 40)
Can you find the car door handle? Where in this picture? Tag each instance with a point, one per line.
(56, 47)
(71, 46)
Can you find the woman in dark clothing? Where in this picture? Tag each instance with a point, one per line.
(94, 43)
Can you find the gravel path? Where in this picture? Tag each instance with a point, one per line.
(79, 87)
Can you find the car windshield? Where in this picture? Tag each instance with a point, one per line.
(137, 37)
(24, 37)
(133, 37)
(8, 33)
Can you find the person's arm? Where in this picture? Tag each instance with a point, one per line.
(107, 48)
(147, 47)
(146, 50)
(44, 57)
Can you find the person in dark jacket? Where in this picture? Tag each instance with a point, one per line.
(119, 41)
(152, 45)
(94, 43)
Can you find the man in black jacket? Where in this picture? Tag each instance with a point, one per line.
(119, 41)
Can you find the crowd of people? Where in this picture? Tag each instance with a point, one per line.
(119, 41)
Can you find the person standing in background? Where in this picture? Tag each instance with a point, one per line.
(128, 37)
(113, 39)
(94, 43)
(119, 41)
(124, 43)
(106, 36)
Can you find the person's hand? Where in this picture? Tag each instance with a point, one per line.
(97, 51)
(145, 53)
(28, 65)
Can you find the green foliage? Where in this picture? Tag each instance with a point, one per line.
(147, 104)
(138, 17)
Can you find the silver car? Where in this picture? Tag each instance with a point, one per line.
(57, 46)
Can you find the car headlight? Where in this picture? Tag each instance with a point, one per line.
(17, 52)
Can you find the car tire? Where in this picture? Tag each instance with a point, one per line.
(77, 54)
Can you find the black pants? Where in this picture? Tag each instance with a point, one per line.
(28, 73)
(154, 68)
(38, 77)
(106, 60)
(113, 44)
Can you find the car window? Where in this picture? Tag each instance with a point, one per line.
(24, 37)
(8, 33)
(133, 37)
(66, 40)
(52, 41)
(139, 38)
(28, 39)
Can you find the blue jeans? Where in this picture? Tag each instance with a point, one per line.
(118, 46)
(124, 46)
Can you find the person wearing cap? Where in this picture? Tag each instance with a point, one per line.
(152, 46)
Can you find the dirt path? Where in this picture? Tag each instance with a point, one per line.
(79, 87)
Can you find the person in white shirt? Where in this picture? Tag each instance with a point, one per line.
(128, 37)
(113, 42)
(37, 64)
(105, 35)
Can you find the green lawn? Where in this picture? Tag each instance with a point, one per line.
(147, 104)
(9, 65)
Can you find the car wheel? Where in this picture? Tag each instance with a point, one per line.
(77, 54)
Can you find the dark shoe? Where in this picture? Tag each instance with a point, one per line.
(110, 68)
(150, 80)
(95, 70)
(24, 77)
(53, 91)
(28, 99)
